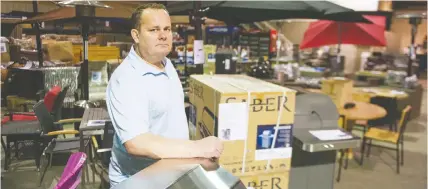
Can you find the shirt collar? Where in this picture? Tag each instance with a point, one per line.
(143, 66)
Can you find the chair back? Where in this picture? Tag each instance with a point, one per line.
(390, 105)
(404, 119)
(58, 103)
(70, 178)
(51, 96)
(107, 142)
(45, 118)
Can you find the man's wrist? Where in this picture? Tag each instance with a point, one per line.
(194, 149)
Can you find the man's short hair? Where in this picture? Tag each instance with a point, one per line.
(136, 15)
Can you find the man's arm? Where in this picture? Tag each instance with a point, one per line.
(158, 147)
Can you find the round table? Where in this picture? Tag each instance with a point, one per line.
(363, 111)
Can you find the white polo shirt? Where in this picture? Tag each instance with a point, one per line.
(141, 99)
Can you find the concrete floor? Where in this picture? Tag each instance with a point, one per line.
(377, 171)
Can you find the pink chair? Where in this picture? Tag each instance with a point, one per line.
(70, 178)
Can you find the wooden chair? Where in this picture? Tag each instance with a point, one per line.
(388, 136)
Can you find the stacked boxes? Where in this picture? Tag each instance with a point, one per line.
(219, 107)
(339, 89)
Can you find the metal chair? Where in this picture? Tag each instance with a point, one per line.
(50, 131)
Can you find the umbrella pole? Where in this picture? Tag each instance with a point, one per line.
(338, 46)
(198, 31)
(85, 65)
(38, 39)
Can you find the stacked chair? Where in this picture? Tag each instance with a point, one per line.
(23, 127)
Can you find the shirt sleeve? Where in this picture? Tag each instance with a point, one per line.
(128, 108)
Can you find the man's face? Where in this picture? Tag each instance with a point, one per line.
(154, 37)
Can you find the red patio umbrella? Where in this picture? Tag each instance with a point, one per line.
(325, 32)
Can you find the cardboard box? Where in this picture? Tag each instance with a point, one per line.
(278, 180)
(218, 107)
(339, 89)
(59, 50)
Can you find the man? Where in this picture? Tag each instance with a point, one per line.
(145, 101)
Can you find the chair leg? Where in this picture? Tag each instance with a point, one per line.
(362, 151)
(37, 153)
(398, 158)
(50, 160)
(340, 165)
(44, 169)
(402, 153)
(369, 147)
(346, 159)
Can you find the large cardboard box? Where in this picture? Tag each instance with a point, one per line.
(59, 50)
(276, 180)
(219, 107)
(339, 89)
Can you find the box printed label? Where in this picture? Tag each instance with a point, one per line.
(282, 145)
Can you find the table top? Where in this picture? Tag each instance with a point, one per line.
(363, 111)
(376, 91)
(93, 114)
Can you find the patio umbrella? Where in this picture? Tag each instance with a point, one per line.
(238, 12)
(325, 32)
(322, 33)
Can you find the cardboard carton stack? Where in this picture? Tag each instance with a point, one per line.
(339, 89)
(219, 107)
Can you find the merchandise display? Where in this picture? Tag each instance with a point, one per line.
(290, 70)
(98, 80)
(254, 119)
(262, 70)
(395, 77)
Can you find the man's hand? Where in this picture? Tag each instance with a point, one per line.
(209, 147)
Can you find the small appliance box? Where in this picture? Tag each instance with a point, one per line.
(219, 107)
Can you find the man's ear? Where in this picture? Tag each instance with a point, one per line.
(135, 35)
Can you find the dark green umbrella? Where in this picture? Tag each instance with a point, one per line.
(238, 12)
